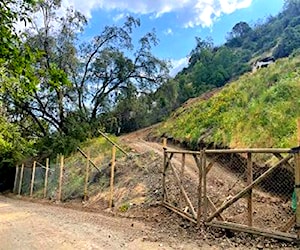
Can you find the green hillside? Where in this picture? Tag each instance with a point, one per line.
(211, 66)
(258, 110)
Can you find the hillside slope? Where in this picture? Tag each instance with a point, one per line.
(257, 110)
(211, 66)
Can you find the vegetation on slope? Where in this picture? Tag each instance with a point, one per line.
(212, 66)
(257, 110)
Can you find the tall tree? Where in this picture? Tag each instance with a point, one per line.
(15, 79)
(76, 84)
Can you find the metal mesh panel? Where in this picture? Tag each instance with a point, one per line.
(182, 183)
(271, 199)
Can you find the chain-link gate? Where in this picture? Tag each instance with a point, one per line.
(250, 190)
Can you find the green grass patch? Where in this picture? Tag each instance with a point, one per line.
(258, 110)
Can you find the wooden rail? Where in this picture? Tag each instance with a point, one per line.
(233, 151)
(205, 163)
(253, 230)
(113, 143)
(89, 159)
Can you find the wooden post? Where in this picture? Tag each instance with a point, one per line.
(164, 143)
(46, 178)
(297, 190)
(112, 175)
(32, 178)
(61, 173)
(113, 143)
(250, 194)
(204, 176)
(21, 179)
(16, 179)
(181, 179)
(164, 177)
(200, 167)
(85, 156)
(86, 176)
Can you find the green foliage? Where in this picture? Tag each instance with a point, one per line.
(13, 146)
(124, 207)
(258, 110)
(15, 78)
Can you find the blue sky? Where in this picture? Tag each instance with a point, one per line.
(176, 22)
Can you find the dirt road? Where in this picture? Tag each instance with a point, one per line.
(25, 225)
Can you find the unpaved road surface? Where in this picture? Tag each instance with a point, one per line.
(28, 225)
(136, 141)
(25, 225)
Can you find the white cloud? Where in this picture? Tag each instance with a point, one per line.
(168, 32)
(178, 65)
(119, 17)
(190, 12)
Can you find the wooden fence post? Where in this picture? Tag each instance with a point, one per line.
(86, 176)
(298, 131)
(112, 175)
(32, 178)
(250, 194)
(181, 179)
(204, 176)
(46, 178)
(16, 179)
(61, 173)
(21, 179)
(164, 198)
(164, 143)
(200, 191)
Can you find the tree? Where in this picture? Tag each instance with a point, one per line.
(108, 68)
(292, 7)
(15, 76)
(202, 46)
(241, 29)
(77, 84)
(238, 33)
(290, 41)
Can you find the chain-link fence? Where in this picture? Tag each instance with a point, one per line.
(87, 175)
(235, 189)
(268, 204)
(28, 184)
(64, 179)
(181, 183)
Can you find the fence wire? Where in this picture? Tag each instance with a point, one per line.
(73, 177)
(267, 205)
(271, 198)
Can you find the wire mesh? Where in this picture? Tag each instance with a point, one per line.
(73, 177)
(271, 197)
(182, 183)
